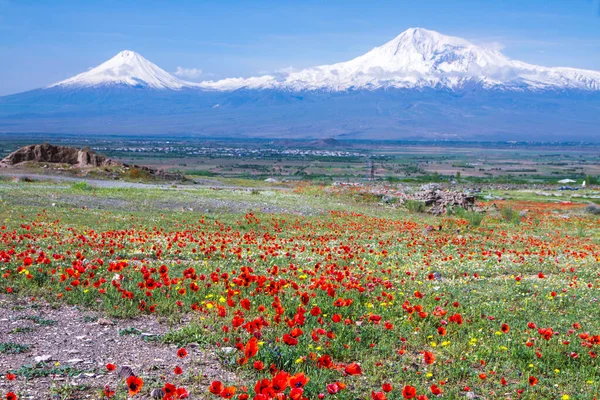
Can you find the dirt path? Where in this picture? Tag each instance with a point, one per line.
(61, 353)
(198, 183)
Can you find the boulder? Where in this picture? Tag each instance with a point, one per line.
(48, 153)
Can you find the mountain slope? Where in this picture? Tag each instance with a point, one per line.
(420, 58)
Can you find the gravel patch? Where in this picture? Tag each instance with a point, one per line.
(71, 347)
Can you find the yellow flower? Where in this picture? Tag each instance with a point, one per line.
(565, 397)
(429, 375)
(433, 344)
(300, 360)
(209, 306)
(557, 371)
(222, 299)
(445, 343)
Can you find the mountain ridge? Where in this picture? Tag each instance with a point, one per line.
(446, 98)
(423, 58)
(417, 58)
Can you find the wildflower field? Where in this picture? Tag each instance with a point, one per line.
(348, 300)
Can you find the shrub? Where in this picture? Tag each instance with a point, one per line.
(593, 209)
(510, 215)
(82, 185)
(472, 217)
(415, 206)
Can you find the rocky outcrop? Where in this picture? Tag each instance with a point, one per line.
(48, 153)
(84, 159)
(438, 201)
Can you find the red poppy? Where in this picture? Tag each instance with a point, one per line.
(299, 380)
(505, 328)
(353, 369)
(387, 387)
(280, 381)
(11, 396)
(435, 389)
(169, 389)
(177, 370)
(10, 377)
(533, 380)
(297, 393)
(324, 361)
(409, 392)
(111, 367)
(378, 396)
(290, 340)
(228, 392)
(333, 388)
(259, 365)
(181, 393)
(251, 348)
(216, 387)
(134, 384)
(181, 353)
(429, 357)
(108, 392)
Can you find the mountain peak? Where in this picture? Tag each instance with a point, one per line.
(127, 68)
(425, 39)
(422, 58)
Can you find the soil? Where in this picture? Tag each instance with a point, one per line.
(77, 344)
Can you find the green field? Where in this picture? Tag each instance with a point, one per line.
(317, 280)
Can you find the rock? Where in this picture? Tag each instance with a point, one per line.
(439, 200)
(105, 322)
(48, 153)
(75, 361)
(125, 372)
(80, 158)
(43, 358)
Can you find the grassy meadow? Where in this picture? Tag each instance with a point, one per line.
(311, 293)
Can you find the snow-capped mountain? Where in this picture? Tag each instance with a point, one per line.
(420, 85)
(419, 58)
(127, 68)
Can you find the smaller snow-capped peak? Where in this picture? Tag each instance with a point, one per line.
(127, 68)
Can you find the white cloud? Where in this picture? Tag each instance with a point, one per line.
(189, 73)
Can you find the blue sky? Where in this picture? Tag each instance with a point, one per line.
(42, 42)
